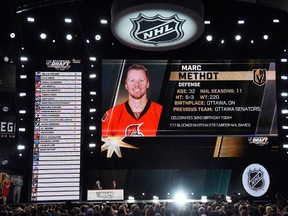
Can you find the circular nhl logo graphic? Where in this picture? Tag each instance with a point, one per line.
(157, 25)
(255, 180)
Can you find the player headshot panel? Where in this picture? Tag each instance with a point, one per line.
(131, 92)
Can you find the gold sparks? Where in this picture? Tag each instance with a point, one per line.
(113, 144)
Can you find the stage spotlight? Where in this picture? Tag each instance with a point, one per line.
(23, 76)
(92, 58)
(69, 37)
(12, 35)
(43, 36)
(6, 59)
(241, 22)
(92, 145)
(97, 37)
(20, 147)
(209, 38)
(285, 127)
(22, 111)
(285, 145)
(252, 41)
(22, 129)
(265, 37)
(92, 110)
(87, 41)
(284, 111)
(180, 197)
(284, 60)
(284, 77)
(204, 199)
(92, 76)
(22, 94)
(92, 92)
(228, 199)
(131, 199)
(92, 127)
(207, 22)
(237, 37)
(68, 20)
(4, 161)
(103, 21)
(222, 41)
(276, 20)
(30, 19)
(284, 94)
(23, 58)
(155, 198)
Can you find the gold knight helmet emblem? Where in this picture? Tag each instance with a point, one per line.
(259, 76)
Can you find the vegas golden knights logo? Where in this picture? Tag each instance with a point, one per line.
(259, 76)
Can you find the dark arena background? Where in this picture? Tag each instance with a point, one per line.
(223, 129)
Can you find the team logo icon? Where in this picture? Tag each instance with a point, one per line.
(133, 130)
(259, 76)
(255, 180)
(157, 29)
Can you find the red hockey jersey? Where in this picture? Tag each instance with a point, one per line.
(121, 121)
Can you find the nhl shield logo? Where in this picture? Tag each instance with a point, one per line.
(259, 76)
(157, 30)
(256, 180)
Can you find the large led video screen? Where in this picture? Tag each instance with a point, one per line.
(192, 102)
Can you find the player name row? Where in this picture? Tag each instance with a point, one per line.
(59, 90)
(58, 162)
(59, 175)
(67, 144)
(70, 128)
(58, 73)
(58, 111)
(58, 98)
(57, 107)
(63, 120)
(67, 86)
(38, 115)
(59, 82)
(64, 94)
(59, 154)
(62, 103)
(56, 124)
(65, 131)
(60, 78)
(60, 149)
(56, 137)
